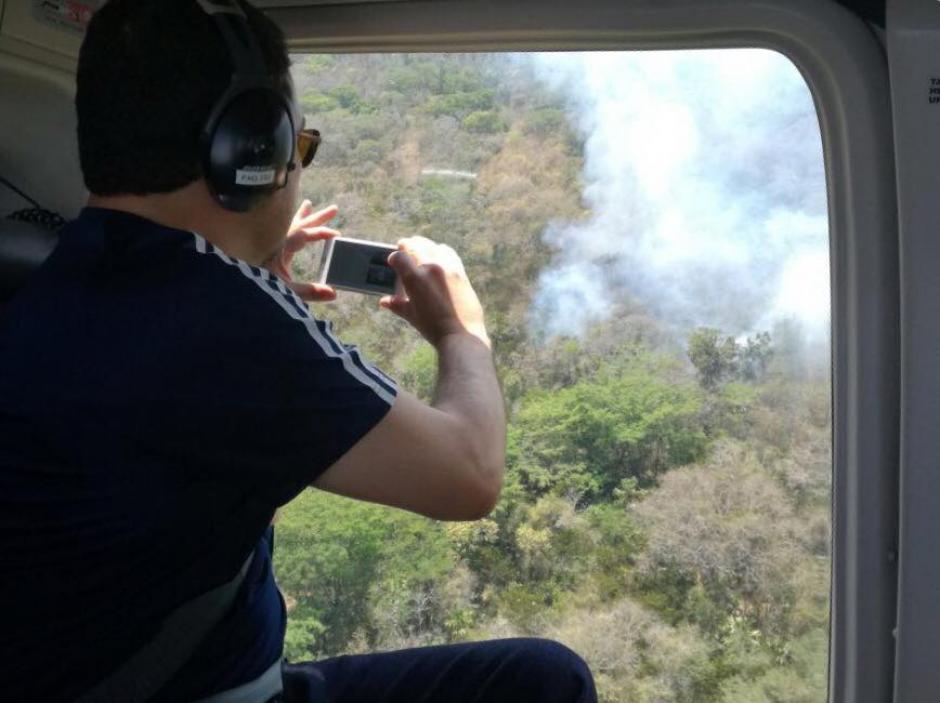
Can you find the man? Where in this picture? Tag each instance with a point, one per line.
(163, 389)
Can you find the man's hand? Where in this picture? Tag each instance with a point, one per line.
(444, 460)
(438, 299)
(306, 227)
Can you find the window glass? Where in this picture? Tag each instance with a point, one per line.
(648, 233)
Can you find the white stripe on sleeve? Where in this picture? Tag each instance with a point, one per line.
(290, 303)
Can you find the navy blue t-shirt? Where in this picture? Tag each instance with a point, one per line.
(158, 400)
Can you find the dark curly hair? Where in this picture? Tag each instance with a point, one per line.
(149, 73)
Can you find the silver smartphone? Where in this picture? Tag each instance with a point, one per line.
(358, 265)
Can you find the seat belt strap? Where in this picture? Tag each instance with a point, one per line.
(152, 666)
(262, 689)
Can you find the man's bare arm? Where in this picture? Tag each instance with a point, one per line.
(444, 460)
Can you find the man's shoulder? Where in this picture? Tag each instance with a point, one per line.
(252, 294)
(132, 276)
(182, 270)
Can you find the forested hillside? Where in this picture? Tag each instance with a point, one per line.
(666, 505)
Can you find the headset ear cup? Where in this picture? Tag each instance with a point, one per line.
(249, 148)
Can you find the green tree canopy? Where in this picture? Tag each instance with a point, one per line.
(585, 439)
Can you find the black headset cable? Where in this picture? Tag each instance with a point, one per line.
(20, 193)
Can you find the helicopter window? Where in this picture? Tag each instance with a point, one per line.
(648, 233)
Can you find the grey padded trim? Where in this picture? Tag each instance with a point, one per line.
(151, 667)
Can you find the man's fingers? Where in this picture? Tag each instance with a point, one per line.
(297, 240)
(314, 233)
(319, 217)
(416, 242)
(416, 277)
(427, 252)
(399, 305)
(312, 292)
(306, 207)
(421, 249)
(305, 217)
(404, 265)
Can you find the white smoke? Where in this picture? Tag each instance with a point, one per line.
(704, 177)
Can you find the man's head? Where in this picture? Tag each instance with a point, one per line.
(149, 74)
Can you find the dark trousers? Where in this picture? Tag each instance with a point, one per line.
(498, 671)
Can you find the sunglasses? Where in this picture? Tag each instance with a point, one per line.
(307, 142)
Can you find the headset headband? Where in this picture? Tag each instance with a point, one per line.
(248, 141)
(233, 25)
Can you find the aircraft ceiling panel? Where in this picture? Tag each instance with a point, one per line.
(51, 27)
(870, 10)
(307, 3)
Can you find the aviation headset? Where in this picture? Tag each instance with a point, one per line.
(248, 142)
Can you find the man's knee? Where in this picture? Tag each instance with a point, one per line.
(556, 670)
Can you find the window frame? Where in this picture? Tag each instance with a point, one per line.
(844, 65)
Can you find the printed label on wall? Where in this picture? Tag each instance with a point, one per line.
(933, 92)
(66, 14)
